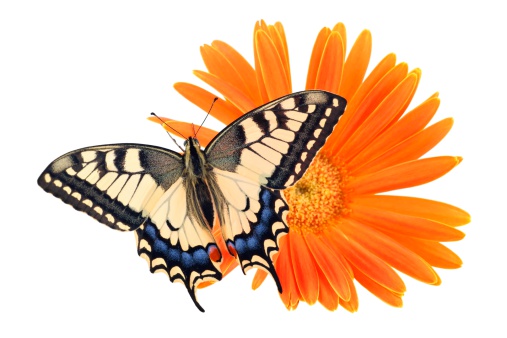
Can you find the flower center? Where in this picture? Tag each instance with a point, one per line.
(317, 198)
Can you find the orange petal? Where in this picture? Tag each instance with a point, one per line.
(330, 266)
(329, 74)
(290, 292)
(261, 25)
(185, 129)
(259, 278)
(304, 268)
(231, 93)
(353, 304)
(364, 103)
(340, 29)
(281, 32)
(378, 290)
(244, 69)
(432, 252)
(377, 121)
(222, 110)
(390, 251)
(327, 295)
(408, 174)
(416, 207)
(384, 67)
(278, 40)
(408, 125)
(394, 223)
(363, 260)
(355, 67)
(271, 67)
(417, 73)
(218, 65)
(410, 149)
(318, 48)
(228, 262)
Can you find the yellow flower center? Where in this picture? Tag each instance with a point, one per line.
(316, 199)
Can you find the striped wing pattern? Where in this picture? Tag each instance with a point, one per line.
(275, 143)
(116, 184)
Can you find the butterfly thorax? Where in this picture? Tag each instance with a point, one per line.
(196, 175)
(195, 160)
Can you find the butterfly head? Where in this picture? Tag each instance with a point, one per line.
(191, 142)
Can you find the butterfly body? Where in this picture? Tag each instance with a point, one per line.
(171, 201)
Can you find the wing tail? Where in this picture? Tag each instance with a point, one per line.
(190, 265)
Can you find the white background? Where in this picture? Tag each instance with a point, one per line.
(76, 74)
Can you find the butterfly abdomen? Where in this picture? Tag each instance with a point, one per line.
(195, 160)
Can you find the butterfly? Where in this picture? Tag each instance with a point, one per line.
(172, 200)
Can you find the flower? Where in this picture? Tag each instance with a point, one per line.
(342, 225)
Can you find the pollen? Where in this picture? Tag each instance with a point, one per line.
(317, 199)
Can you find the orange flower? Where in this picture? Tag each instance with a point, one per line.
(341, 227)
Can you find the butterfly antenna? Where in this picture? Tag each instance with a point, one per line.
(172, 138)
(212, 103)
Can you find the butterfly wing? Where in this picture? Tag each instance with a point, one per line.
(139, 187)
(270, 147)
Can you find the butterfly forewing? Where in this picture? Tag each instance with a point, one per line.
(275, 143)
(116, 184)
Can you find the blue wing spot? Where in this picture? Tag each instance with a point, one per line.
(173, 254)
(266, 214)
(261, 230)
(201, 256)
(266, 197)
(150, 230)
(241, 246)
(186, 260)
(253, 243)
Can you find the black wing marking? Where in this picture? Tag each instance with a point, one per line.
(275, 143)
(116, 184)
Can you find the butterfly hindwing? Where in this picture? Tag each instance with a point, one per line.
(275, 143)
(253, 219)
(187, 254)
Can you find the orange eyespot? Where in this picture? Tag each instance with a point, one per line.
(232, 249)
(214, 253)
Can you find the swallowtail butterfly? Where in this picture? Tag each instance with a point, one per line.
(171, 200)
